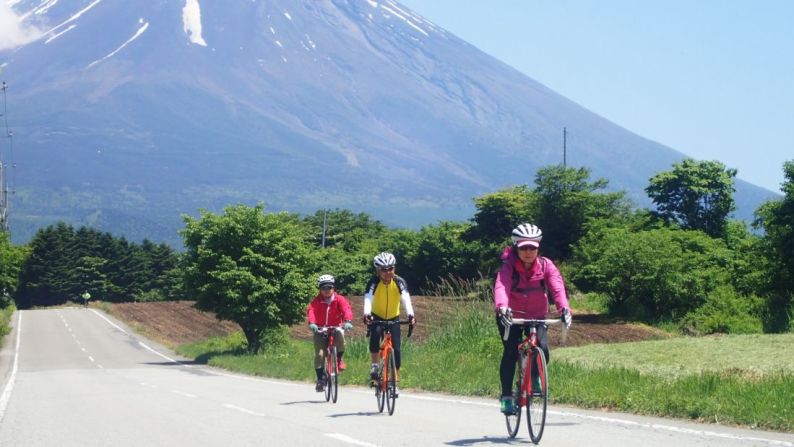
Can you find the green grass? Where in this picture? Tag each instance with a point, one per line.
(5, 321)
(746, 379)
(753, 355)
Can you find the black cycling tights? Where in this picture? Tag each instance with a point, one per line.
(374, 339)
(510, 353)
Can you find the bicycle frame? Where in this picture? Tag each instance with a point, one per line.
(383, 391)
(329, 363)
(531, 356)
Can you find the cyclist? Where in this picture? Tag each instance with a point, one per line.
(382, 299)
(328, 308)
(522, 285)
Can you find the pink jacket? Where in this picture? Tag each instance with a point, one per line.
(527, 298)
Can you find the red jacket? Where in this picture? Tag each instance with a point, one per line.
(334, 313)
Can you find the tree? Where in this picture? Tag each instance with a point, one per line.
(344, 229)
(249, 267)
(697, 195)
(11, 259)
(442, 252)
(654, 275)
(568, 202)
(777, 219)
(498, 213)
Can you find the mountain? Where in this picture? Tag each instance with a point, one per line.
(128, 114)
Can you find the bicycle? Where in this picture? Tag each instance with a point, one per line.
(331, 362)
(386, 383)
(530, 358)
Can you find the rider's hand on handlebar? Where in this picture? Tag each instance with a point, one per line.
(348, 325)
(313, 328)
(411, 320)
(505, 315)
(567, 318)
(367, 319)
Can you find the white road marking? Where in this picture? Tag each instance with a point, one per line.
(92, 359)
(182, 393)
(163, 355)
(349, 440)
(109, 322)
(244, 410)
(140, 342)
(6, 396)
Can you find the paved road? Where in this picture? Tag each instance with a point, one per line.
(75, 377)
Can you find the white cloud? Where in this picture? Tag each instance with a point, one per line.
(12, 32)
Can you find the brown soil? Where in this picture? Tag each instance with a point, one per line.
(178, 322)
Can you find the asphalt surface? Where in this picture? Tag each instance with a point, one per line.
(76, 377)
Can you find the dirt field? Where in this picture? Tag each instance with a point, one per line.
(178, 322)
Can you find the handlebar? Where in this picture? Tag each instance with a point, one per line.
(325, 329)
(508, 321)
(387, 323)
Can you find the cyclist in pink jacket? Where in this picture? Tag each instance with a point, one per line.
(521, 287)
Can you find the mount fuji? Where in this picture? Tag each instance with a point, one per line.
(127, 114)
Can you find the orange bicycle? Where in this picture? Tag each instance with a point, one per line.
(331, 362)
(531, 362)
(386, 384)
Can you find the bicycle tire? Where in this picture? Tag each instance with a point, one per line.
(537, 401)
(513, 421)
(327, 374)
(391, 384)
(333, 380)
(380, 389)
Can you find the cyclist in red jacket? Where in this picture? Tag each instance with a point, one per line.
(328, 308)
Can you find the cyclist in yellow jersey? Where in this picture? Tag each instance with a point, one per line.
(382, 299)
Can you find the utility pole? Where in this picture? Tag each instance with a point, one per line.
(564, 147)
(4, 167)
(325, 224)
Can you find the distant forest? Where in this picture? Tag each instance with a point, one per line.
(683, 263)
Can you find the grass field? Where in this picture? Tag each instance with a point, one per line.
(746, 380)
(5, 318)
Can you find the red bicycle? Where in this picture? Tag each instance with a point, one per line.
(386, 384)
(531, 362)
(331, 362)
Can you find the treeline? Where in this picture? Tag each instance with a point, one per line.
(62, 263)
(685, 262)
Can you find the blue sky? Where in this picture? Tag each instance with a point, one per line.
(713, 79)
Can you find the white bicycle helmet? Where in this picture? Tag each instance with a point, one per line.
(526, 233)
(325, 280)
(384, 259)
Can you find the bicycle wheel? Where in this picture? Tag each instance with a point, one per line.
(513, 421)
(536, 402)
(333, 380)
(380, 389)
(391, 384)
(327, 373)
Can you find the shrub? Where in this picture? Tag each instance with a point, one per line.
(653, 275)
(724, 312)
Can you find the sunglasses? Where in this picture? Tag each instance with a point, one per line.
(326, 288)
(386, 269)
(528, 247)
